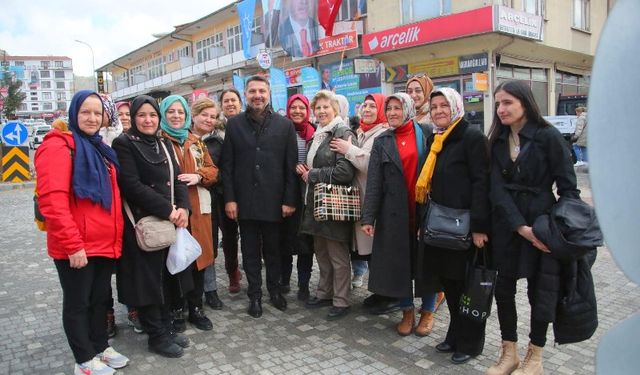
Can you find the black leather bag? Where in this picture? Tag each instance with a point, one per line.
(447, 227)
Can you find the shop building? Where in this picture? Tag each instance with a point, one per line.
(473, 45)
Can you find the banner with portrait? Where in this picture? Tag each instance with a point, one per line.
(355, 79)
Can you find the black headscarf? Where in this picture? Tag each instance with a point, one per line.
(152, 141)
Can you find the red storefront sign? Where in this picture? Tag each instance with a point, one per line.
(473, 22)
(338, 43)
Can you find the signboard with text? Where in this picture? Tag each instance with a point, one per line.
(514, 22)
(478, 62)
(436, 67)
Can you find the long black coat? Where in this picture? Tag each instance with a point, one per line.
(258, 166)
(460, 180)
(522, 190)
(329, 166)
(385, 205)
(144, 183)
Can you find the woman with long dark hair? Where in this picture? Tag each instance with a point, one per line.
(528, 157)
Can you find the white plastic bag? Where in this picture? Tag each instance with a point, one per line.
(183, 252)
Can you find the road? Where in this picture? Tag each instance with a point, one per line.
(298, 341)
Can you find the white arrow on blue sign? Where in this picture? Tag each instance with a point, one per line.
(14, 133)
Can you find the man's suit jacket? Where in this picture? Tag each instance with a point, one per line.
(289, 42)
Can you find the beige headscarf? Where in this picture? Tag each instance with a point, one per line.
(422, 116)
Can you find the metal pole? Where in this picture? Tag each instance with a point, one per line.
(93, 64)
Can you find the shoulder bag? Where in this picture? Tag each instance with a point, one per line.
(446, 227)
(153, 233)
(336, 202)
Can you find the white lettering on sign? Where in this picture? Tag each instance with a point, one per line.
(473, 63)
(399, 39)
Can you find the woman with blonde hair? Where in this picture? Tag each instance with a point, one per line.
(331, 239)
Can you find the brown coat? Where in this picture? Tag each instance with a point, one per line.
(193, 157)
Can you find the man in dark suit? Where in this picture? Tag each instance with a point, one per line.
(260, 187)
(299, 33)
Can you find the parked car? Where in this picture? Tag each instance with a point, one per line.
(37, 135)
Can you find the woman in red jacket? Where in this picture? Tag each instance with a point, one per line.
(80, 201)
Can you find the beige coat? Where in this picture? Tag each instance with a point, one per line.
(580, 135)
(359, 157)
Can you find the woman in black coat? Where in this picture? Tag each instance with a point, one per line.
(144, 183)
(390, 205)
(455, 175)
(528, 157)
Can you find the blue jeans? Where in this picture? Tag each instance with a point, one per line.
(428, 302)
(581, 153)
(360, 267)
(210, 283)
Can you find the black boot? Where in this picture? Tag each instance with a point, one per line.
(167, 348)
(177, 321)
(303, 292)
(199, 319)
(211, 298)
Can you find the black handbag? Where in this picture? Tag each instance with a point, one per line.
(475, 302)
(447, 227)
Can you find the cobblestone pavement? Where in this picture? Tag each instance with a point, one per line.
(298, 341)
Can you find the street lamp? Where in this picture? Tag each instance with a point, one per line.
(93, 63)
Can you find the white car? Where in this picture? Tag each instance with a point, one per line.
(37, 135)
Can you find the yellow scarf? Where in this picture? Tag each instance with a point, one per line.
(423, 186)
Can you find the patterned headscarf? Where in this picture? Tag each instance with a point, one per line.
(182, 133)
(111, 111)
(344, 107)
(422, 115)
(408, 109)
(454, 99)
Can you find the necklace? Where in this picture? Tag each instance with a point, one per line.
(516, 144)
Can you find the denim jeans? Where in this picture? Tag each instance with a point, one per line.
(360, 267)
(581, 153)
(428, 302)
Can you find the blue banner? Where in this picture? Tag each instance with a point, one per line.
(246, 10)
(310, 78)
(238, 83)
(278, 82)
(355, 86)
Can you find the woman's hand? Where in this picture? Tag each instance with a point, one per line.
(527, 232)
(479, 239)
(78, 259)
(190, 178)
(368, 229)
(183, 218)
(303, 171)
(340, 146)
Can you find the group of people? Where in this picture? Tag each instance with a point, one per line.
(253, 173)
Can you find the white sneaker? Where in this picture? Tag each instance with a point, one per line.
(357, 281)
(93, 367)
(112, 358)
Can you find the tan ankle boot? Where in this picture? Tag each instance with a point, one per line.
(405, 327)
(508, 360)
(532, 363)
(425, 325)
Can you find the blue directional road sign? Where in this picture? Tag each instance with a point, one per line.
(14, 133)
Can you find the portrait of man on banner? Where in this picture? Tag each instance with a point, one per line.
(299, 31)
(271, 22)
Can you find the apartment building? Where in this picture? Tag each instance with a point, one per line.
(47, 82)
(472, 45)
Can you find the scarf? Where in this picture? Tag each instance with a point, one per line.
(408, 109)
(423, 187)
(304, 129)
(343, 103)
(422, 115)
(381, 118)
(320, 135)
(90, 174)
(179, 134)
(114, 129)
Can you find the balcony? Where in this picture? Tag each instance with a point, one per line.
(189, 72)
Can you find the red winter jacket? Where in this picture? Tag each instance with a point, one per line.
(74, 224)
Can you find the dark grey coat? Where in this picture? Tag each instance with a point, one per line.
(329, 166)
(385, 205)
(522, 190)
(258, 166)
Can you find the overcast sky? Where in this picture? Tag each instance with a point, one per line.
(112, 28)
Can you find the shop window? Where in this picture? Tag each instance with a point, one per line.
(569, 84)
(533, 7)
(417, 10)
(536, 78)
(504, 71)
(581, 14)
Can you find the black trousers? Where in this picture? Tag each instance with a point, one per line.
(304, 266)
(508, 315)
(229, 230)
(465, 335)
(256, 236)
(155, 320)
(85, 296)
(295, 243)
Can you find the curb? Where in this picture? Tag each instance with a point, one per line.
(8, 186)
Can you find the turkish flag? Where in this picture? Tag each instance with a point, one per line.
(327, 13)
